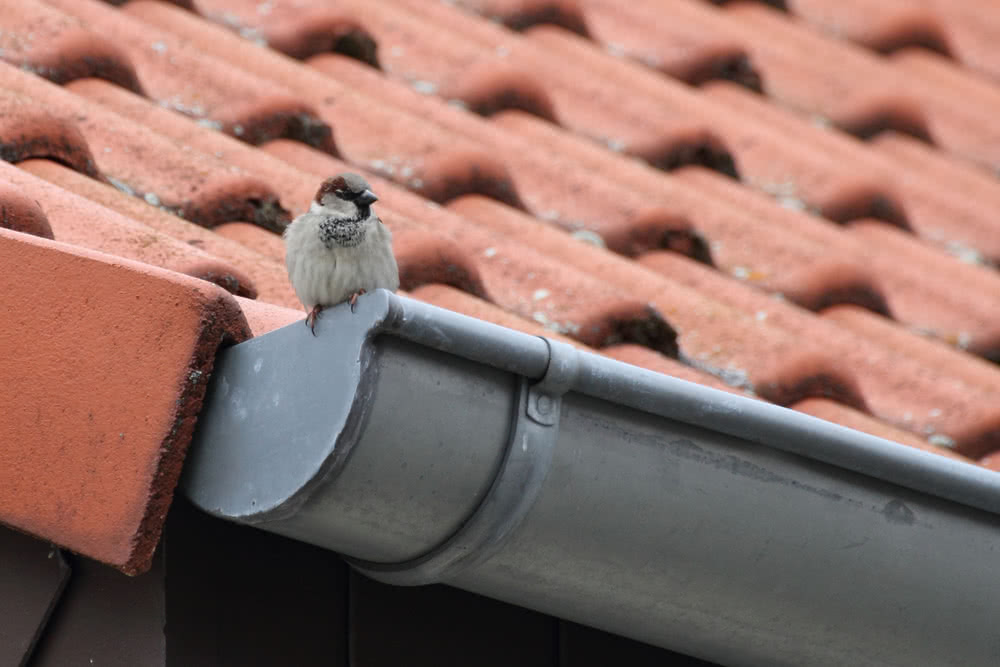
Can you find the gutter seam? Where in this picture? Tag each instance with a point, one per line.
(533, 435)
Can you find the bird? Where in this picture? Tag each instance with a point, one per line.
(339, 249)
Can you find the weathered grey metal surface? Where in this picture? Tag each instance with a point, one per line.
(720, 526)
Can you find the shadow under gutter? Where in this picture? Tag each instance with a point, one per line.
(429, 447)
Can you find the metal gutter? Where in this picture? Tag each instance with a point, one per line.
(431, 447)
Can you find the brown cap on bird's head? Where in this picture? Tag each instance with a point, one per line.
(347, 186)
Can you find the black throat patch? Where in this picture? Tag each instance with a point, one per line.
(344, 232)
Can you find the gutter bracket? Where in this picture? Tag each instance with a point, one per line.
(526, 459)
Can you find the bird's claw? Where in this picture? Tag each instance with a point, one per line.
(311, 318)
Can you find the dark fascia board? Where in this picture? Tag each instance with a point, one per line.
(431, 447)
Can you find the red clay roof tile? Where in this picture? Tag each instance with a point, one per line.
(891, 385)
(940, 214)
(955, 127)
(521, 14)
(266, 274)
(20, 213)
(42, 39)
(81, 222)
(96, 460)
(962, 30)
(177, 75)
(713, 336)
(923, 286)
(27, 131)
(199, 187)
(300, 30)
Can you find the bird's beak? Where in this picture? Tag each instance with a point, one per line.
(366, 197)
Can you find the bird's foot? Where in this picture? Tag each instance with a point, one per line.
(312, 316)
(354, 298)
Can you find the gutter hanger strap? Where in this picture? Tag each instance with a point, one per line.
(522, 474)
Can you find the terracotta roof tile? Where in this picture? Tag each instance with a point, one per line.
(712, 335)
(199, 187)
(89, 334)
(792, 56)
(20, 213)
(72, 220)
(940, 214)
(44, 40)
(178, 76)
(544, 229)
(662, 35)
(890, 384)
(404, 147)
(28, 131)
(521, 14)
(266, 273)
(959, 29)
(923, 286)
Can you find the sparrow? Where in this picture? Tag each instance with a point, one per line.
(339, 249)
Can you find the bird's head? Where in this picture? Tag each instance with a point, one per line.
(347, 194)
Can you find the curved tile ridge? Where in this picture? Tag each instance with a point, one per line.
(82, 222)
(267, 275)
(393, 141)
(923, 286)
(486, 88)
(940, 214)
(896, 24)
(196, 186)
(850, 74)
(440, 67)
(741, 348)
(263, 318)
(834, 412)
(41, 39)
(895, 387)
(425, 257)
(552, 185)
(781, 5)
(27, 131)
(484, 84)
(93, 466)
(20, 213)
(873, 115)
(761, 152)
(297, 29)
(807, 260)
(913, 27)
(177, 75)
(523, 14)
(385, 139)
(979, 435)
(656, 37)
(646, 35)
(830, 282)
